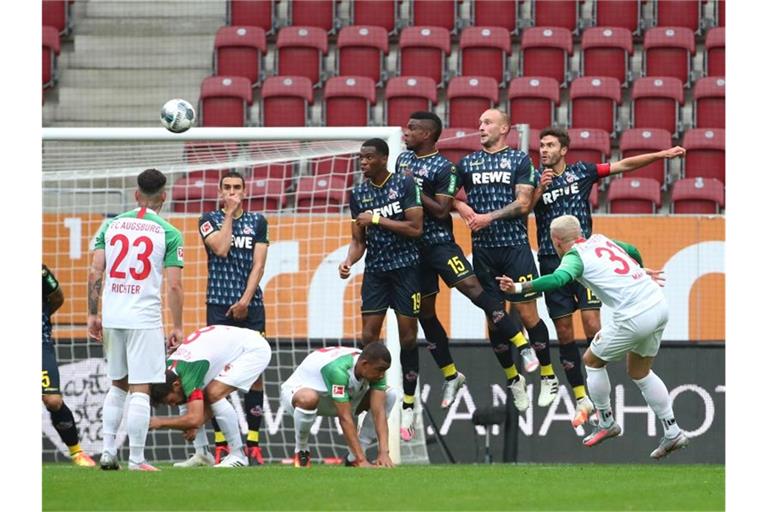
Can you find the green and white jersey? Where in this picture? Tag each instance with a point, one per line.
(331, 372)
(137, 244)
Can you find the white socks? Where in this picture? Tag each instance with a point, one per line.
(138, 425)
(600, 392)
(201, 439)
(111, 415)
(302, 424)
(656, 395)
(227, 418)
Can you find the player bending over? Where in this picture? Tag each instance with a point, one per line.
(343, 382)
(212, 362)
(613, 270)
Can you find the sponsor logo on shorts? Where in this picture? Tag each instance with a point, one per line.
(337, 391)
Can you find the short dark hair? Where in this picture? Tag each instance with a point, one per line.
(159, 390)
(437, 124)
(231, 174)
(376, 351)
(561, 134)
(151, 181)
(380, 145)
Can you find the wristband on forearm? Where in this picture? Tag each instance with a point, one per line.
(375, 218)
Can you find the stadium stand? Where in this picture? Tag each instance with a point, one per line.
(715, 54)
(194, 195)
(656, 103)
(709, 102)
(313, 13)
(264, 194)
(496, 13)
(343, 167)
(300, 52)
(633, 195)
(435, 13)
(56, 14)
(320, 194)
(588, 145)
(468, 97)
(224, 101)
(239, 51)
(698, 195)
(720, 13)
(545, 52)
(51, 51)
(532, 101)
(406, 94)
(618, 13)
(606, 51)
(513, 141)
(380, 13)
(556, 13)
(285, 100)
(361, 51)
(196, 153)
(678, 13)
(252, 13)
(456, 143)
(705, 153)
(668, 52)
(423, 52)
(594, 103)
(484, 52)
(281, 173)
(348, 100)
(637, 141)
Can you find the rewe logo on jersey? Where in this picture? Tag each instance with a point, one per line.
(485, 178)
(551, 196)
(242, 242)
(389, 210)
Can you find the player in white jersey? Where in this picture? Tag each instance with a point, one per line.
(211, 363)
(134, 248)
(613, 271)
(343, 382)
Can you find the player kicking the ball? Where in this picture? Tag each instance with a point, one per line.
(211, 363)
(613, 271)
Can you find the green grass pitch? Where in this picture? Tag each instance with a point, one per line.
(435, 487)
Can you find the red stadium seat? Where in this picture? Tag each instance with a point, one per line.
(556, 13)
(285, 100)
(633, 195)
(588, 145)
(407, 94)
(423, 52)
(656, 103)
(361, 51)
(194, 195)
(698, 195)
(709, 102)
(435, 13)
(715, 56)
(224, 101)
(456, 143)
(300, 52)
(264, 195)
(720, 12)
(678, 13)
(239, 51)
(496, 13)
(348, 100)
(704, 153)
(380, 13)
(321, 194)
(668, 52)
(513, 141)
(281, 173)
(637, 141)
(532, 101)
(468, 97)
(252, 13)
(618, 13)
(484, 52)
(605, 52)
(545, 52)
(51, 49)
(313, 13)
(594, 103)
(56, 15)
(214, 156)
(337, 166)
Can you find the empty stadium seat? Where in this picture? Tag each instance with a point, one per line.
(456, 143)
(468, 97)
(361, 51)
(513, 141)
(633, 195)
(618, 13)
(337, 166)
(668, 52)
(484, 52)
(435, 13)
(321, 194)
(637, 141)
(545, 52)
(252, 13)
(194, 195)
(239, 51)
(556, 13)
(56, 15)
(697, 195)
(678, 13)
(606, 52)
(423, 51)
(656, 103)
(594, 103)
(709, 102)
(300, 52)
(720, 13)
(496, 13)
(212, 155)
(51, 50)
(285, 100)
(380, 13)
(532, 101)
(281, 173)
(224, 101)
(348, 100)
(588, 145)
(704, 153)
(715, 55)
(264, 195)
(407, 94)
(313, 13)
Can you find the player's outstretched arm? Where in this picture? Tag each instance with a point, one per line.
(95, 283)
(378, 407)
(636, 162)
(355, 251)
(348, 427)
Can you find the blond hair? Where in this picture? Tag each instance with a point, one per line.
(565, 228)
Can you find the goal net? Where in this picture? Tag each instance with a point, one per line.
(298, 177)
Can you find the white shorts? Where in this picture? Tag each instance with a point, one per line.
(640, 335)
(248, 366)
(326, 406)
(137, 353)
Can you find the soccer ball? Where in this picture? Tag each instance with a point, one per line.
(177, 115)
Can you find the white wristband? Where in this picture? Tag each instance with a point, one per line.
(517, 288)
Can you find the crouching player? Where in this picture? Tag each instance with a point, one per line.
(343, 382)
(211, 363)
